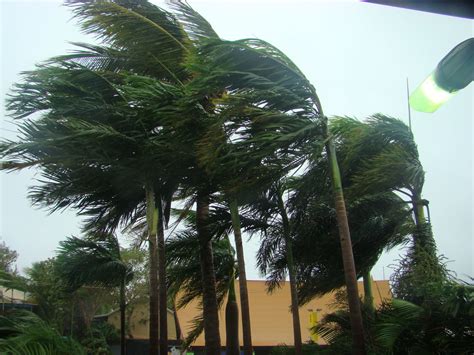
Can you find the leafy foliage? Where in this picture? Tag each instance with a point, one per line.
(98, 337)
(378, 155)
(7, 258)
(419, 273)
(92, 262)
(13, 281)
(442, 325)
(25, 333)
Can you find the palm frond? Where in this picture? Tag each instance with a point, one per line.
(140, 29)
(194, 24)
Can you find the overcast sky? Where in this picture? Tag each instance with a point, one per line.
(358, 57)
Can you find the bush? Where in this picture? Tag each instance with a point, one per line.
(99, 337)
(24, 332)
(308, 349)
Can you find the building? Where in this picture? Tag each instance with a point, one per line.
(269, 313)
(11, 298)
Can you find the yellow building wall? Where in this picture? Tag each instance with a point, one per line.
(270, 315)
(139, 322)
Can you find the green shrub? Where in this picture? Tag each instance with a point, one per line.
(24, 333)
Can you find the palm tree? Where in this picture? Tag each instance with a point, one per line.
(276, 230)
(184, 275)
(148, 40)
(92, 115)
(271, 88)
(255, 137)
(383, 156)
(95, 262)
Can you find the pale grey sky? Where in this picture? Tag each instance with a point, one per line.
(357, 55)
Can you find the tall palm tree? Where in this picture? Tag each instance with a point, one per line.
(254, 139)
(95, 262)
(271, 87)
(384, 157)
(148, 40)
(92, 109)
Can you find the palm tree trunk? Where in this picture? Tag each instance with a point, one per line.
(179, 335)
(209, 298)
(122, 318)
(232, 321)
(163, 298)
(291, 272)
(418, 210)
(347, 256)
(368, 293)
(244, 297)
(152, 224)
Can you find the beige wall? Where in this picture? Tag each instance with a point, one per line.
(6, 295)
(139, 322)
(270, 314)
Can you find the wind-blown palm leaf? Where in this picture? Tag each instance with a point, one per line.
(150, 36)
(264, 120)
(376, 223)
(194, 24)
(73, 166)
(394, 321)
(378, 155)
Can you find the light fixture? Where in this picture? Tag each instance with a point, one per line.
(453, 73)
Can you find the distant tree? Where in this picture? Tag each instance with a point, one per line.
(92, 262)
(8, 258)
(69, 313)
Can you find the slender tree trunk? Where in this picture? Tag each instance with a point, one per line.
(244, 297)
(122, 318)
(232, 321)
(209, 298)
(420, 221)
(418, 210)
(179, 336)
(163, 297)
(291, 273)
(72, 316)
(152, 223)
(347, 256)
(368, 293)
